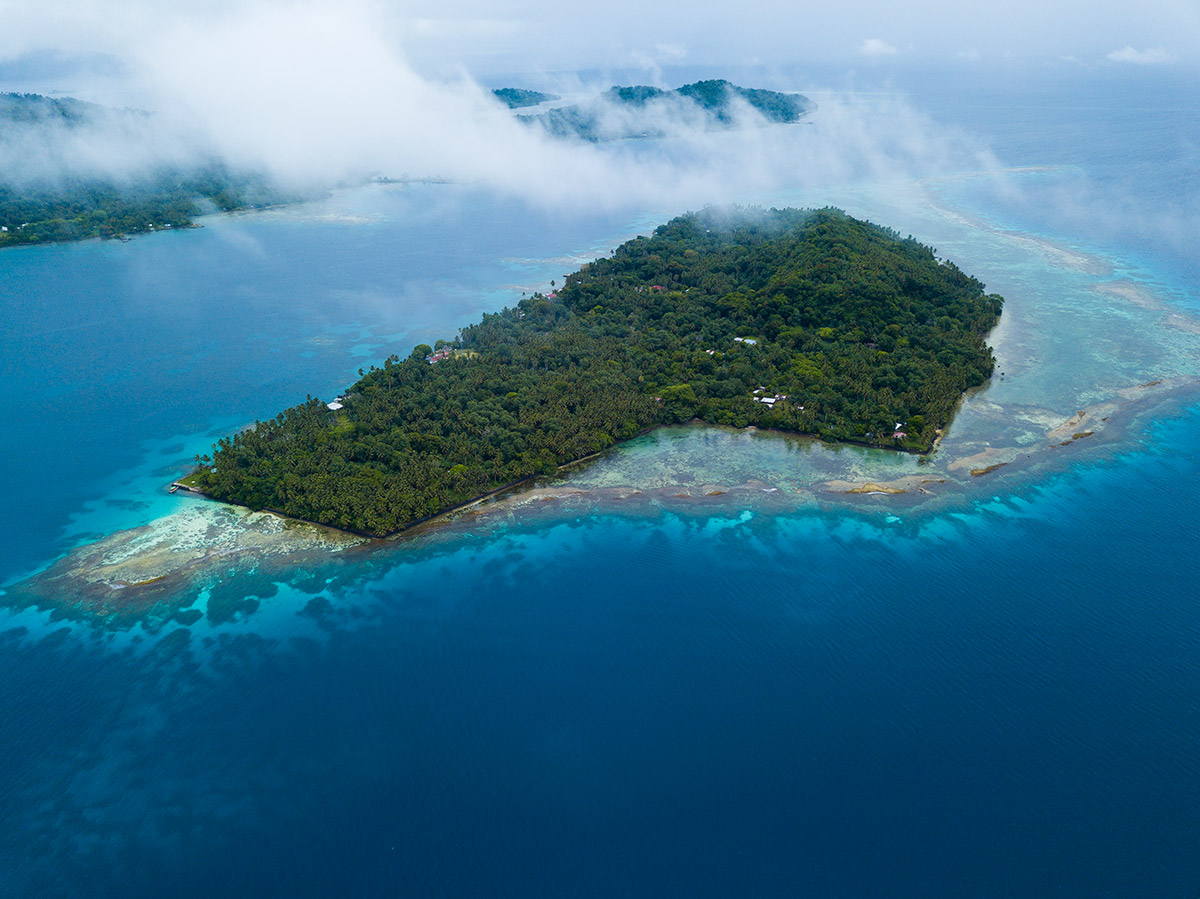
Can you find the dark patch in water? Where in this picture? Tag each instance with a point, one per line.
(129, 505)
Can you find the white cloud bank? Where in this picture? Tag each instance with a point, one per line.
(873, 48)
(318, 94)
(1149, 57)
(546, 35)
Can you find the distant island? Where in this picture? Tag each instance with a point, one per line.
(44, 200)
(805, 321)
(520, 98)
(42, 205)
(642, 111)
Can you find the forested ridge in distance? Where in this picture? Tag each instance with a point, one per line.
(645, 111)
(53, 203)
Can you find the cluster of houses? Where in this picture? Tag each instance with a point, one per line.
(769, 400)
(444, 353)
(339, 402)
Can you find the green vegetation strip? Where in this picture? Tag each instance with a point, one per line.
(804, 321)
(80, 206)
(720, 102)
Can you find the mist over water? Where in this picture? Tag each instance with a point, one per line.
(316, 97)
(1125, 157)
(993, 698)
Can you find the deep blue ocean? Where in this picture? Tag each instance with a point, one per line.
(997, 696)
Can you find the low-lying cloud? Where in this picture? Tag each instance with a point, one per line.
(320, 96)
(317, 96)
(51, 143)
(1149, 57)
(873, 47)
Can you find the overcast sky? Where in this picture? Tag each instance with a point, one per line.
(440, 37)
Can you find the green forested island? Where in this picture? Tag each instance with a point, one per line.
(520, 98)
(80, 208)
(46, 201)
(642, 111)
(805, 321)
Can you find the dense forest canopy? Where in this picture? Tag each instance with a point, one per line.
(50, 202)
(34, 109)
(804, 321)
(78, 208)
(642, 111)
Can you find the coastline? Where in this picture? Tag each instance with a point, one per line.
(563, 470)
(154, 573)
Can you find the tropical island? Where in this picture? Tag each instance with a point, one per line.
(805, 321)
(643, 111)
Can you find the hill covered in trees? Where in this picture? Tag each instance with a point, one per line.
(804, 321)
(642, 111)
(64, 175)
(520, 98)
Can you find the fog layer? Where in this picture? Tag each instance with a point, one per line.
(319, 97)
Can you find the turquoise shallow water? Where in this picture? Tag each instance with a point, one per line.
(774, 691)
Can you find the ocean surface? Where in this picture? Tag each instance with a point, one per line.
(690, 671)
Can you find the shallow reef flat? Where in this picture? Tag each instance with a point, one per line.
(139, 573)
